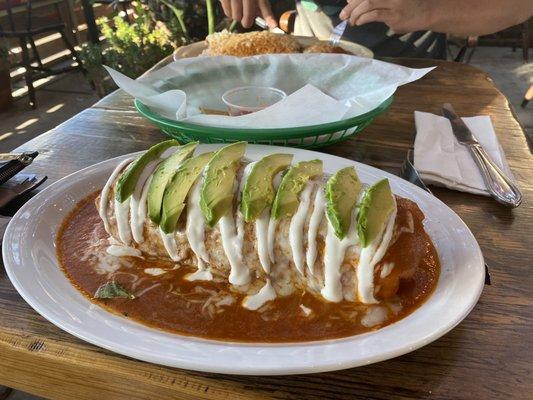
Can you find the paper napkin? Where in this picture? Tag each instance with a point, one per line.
(442, 161)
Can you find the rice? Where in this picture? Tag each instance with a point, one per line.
(249, 44)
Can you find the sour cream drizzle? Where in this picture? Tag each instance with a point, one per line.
(137, 208)
(138, 201)
(121, 251)
(272, 227)
(201, 274)
(122, 216)
(296, 228)
(195, 231)
(272, 223)
(255, 301)
(102, 209)
(386, 270)
(261, 233)
(333, 259)
(169, 241)
(370, 256)
(232, 235)
(319, 207)
(230, 242)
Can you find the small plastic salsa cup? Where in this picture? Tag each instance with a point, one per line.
(248, 99)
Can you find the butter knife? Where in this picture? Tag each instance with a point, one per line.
(17, 186)
(337, 33)
(260, 22)
(499, 185)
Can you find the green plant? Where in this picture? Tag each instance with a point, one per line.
(158, 26)
(130, 48)
(134, 47)
(189, 20)
(93, 60)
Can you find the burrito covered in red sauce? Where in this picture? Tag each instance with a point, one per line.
(272, 249)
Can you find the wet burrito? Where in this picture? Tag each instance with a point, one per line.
(269, 227)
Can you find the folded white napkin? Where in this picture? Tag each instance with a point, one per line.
(442, 161)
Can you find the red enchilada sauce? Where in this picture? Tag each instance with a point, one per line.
(208, 309)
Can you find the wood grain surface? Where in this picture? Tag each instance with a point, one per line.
(487, 356)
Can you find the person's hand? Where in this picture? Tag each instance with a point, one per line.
(401, 16)
(245, 11)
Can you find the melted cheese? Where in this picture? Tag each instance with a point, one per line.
(154, 271)
(122, 251)
(306, 310)
(374, 316)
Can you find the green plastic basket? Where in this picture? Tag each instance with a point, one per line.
(307, 137)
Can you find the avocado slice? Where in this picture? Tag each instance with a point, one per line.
(342, 192)
(216, 196)
(161, 176)
(178, 189)
(287, 201)
(128, 180)
(377, 205)
(258, 192)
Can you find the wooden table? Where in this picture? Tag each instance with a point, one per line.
(488, 356)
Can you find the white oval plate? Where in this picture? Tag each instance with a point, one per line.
(31, 264)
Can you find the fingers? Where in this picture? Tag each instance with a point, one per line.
(267, 14)
(249, 13)
(226, 6)
(373, 16)
(245, 11)
(236, 10)
(347, 11)
(355, 9)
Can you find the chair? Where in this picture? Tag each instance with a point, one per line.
(466, 48)
(527, 97)
(34, 68)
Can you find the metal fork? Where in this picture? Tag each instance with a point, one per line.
(15, 162)
(337, 33)
(410, 174)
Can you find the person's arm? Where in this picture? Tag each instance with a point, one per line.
(460, 17)
(245, 11)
